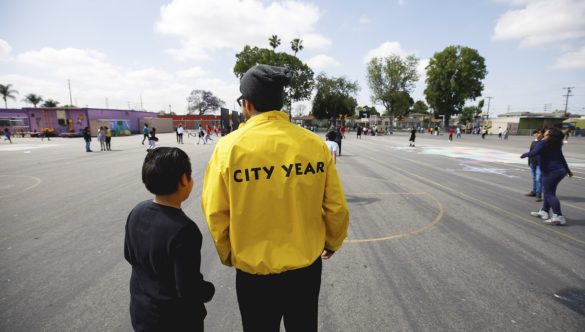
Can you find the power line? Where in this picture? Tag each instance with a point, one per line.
(489, 102)
(568, 88)
(70, 98)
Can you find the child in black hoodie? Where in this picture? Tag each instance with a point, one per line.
(167, 290)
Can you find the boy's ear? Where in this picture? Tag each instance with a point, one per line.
(184, 180)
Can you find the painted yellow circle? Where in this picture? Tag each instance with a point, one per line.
(13, 187)
(406, 234)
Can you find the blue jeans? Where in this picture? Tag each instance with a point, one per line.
(550, 181)
(536, 179)
(87, 146)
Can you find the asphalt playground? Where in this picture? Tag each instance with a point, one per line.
(440, 238)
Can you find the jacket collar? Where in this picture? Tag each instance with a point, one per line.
(267, 116)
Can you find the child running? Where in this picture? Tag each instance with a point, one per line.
(163, 245)
(412, 137)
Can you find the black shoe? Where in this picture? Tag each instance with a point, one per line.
(531, 194)
(539, 198)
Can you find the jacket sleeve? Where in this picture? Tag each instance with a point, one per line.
(186, 252)
(335, 210)
(536, 151)
(564, 161)
(216, 207)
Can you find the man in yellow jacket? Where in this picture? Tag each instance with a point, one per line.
(275, 207)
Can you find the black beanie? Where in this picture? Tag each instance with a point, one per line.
(263, 85)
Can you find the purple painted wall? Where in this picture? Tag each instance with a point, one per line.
(72, 120)
(15, 119)
(12, 112)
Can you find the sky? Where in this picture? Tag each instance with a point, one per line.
(151, 54)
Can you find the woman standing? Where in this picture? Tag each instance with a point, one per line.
(554, 168)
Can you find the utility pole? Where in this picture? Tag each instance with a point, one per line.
(489, 102)
(568, 88)
(70, 97)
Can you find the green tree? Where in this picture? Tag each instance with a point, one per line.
(334, 97)
(296, 45)
(302, 81)
(50, 103)
(201, 102)
(470, 113)
(401, 103)
(274, 42)
(7, 93)
(391, 80)
(420, 107)
(454, 75)
(31, 98)
(367, 110)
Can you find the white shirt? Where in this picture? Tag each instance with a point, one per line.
(333, 147)
(179, 130)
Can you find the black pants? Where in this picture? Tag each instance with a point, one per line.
(265, 299)
(108, 142)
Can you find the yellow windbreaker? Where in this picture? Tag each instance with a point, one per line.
(272, 197)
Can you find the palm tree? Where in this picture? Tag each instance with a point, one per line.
(296, 45)
(7, 93)
(31, 98)
(274, 41)
(50, 103)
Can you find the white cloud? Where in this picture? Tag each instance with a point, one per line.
(315, 41)
(94, 78)
(322, 61)
(384, 50)
(421, 69)
(571, 60)
(192, 72)
(5, 49)
(542, 21)
(206, 26)
(364, 20)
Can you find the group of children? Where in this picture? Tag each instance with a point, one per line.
(104, 136)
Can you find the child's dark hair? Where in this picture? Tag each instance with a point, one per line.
(331, 136)
(163, 168)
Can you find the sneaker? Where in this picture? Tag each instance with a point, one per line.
(540, 214)
(530, 194)
(556, 220)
